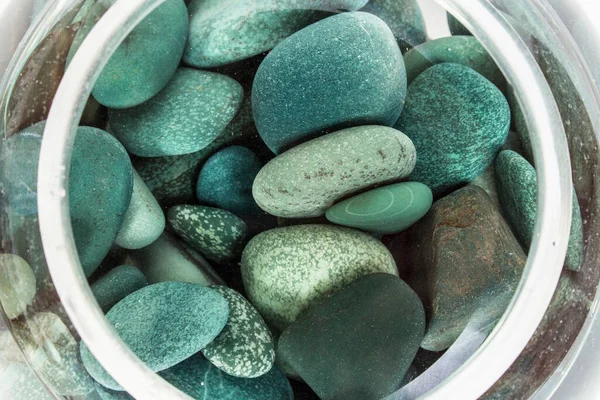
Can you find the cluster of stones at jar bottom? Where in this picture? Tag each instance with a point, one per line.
(283, 201)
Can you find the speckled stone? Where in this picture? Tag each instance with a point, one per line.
(17, 285)
(163, 324)
(285, 270)
(143, 64)
(244, 348)
(388, 209)
(326, 77)
(201, 380)
(20, 382)
(225, 181)
(517, 189)
(217, 234)
(358, 343)
(458, 121)
(100, 188)
(144, 221)
(107, 394)
(456, 28)
(306, 180)
(117, 284)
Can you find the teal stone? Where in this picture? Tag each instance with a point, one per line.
(107, 394)
(245, 347)
(145, 61)
(17, 285)
(100, 189)
(163, 324)
(358, 343)
(456, 28)
(117, 284)
(144, 221)
(458, 121)
(388, 209)
(343, 71)
(285, 270)
(217, 234)
(201, 380)
(517, 189)
(225, 181)
(305, 181)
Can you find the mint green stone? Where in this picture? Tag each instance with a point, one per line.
(389, 209)
(17, 285)
(117, 284)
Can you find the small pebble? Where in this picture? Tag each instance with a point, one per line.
(17, 285)
(117, 284)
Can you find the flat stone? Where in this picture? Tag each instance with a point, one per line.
(217, 234)
(306, 180)
(117, 284)
(225, 181)
(359, 342)
(456, 28)
(244, 348)
(458, 121)
(285, 270)
(163, 324)
(17, 285)
(144, 221)
(326, 77)
(199, 379)
(388, 209)
(517, 189)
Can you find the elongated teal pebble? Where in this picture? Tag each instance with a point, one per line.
(245, 347)
(17, 285)
(329, 76)
(388, 209)
(185, 117)
(144, 221)
(517, 189)
(458, 121)
(117, 284)
(163, 324)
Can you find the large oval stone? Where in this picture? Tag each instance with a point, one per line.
(17, 285)
(285, 270)
(163, 324)
(117, 284)
(328, 76)
(458, 121)
(306, 180)
(186, 116)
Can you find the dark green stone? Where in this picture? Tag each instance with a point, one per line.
(117, 284)
(456, 28)
(359, 342)
(458, 121)
(343, 71)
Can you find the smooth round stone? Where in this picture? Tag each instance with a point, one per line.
(306, 180)
(329, 76)
(456, 28)
(388, 209)
(458, 121)
(185, 117)
(145, 61)
(17, 285)
(285, 270)
(100, 188)
(217, 234)
(517, 189)
(117, 284)
(245, 347)
(144, 221)
(163, 324)
(199, 379)
(225, 181)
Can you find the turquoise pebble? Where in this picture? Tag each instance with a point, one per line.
(458, 121)
(389, 209)
(17, 285)
(107, 394)
(163, 324)
(343, 71)
(117, 284)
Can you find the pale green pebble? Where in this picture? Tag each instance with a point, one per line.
(116, 285)
(9, 350)
(19, 382)
(17, 285)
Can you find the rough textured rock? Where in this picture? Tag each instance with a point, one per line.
(117, 284)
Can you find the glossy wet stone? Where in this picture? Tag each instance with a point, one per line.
(17, 285)
(517, 189)
(225, 181)
(244, 348)
(163, 324)
(217, 234)
(284, 273)
(388, 209)
(117, 284)
(185, 117)
(306, 180)
(458, 121)
(326, 77)
(359, 342)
